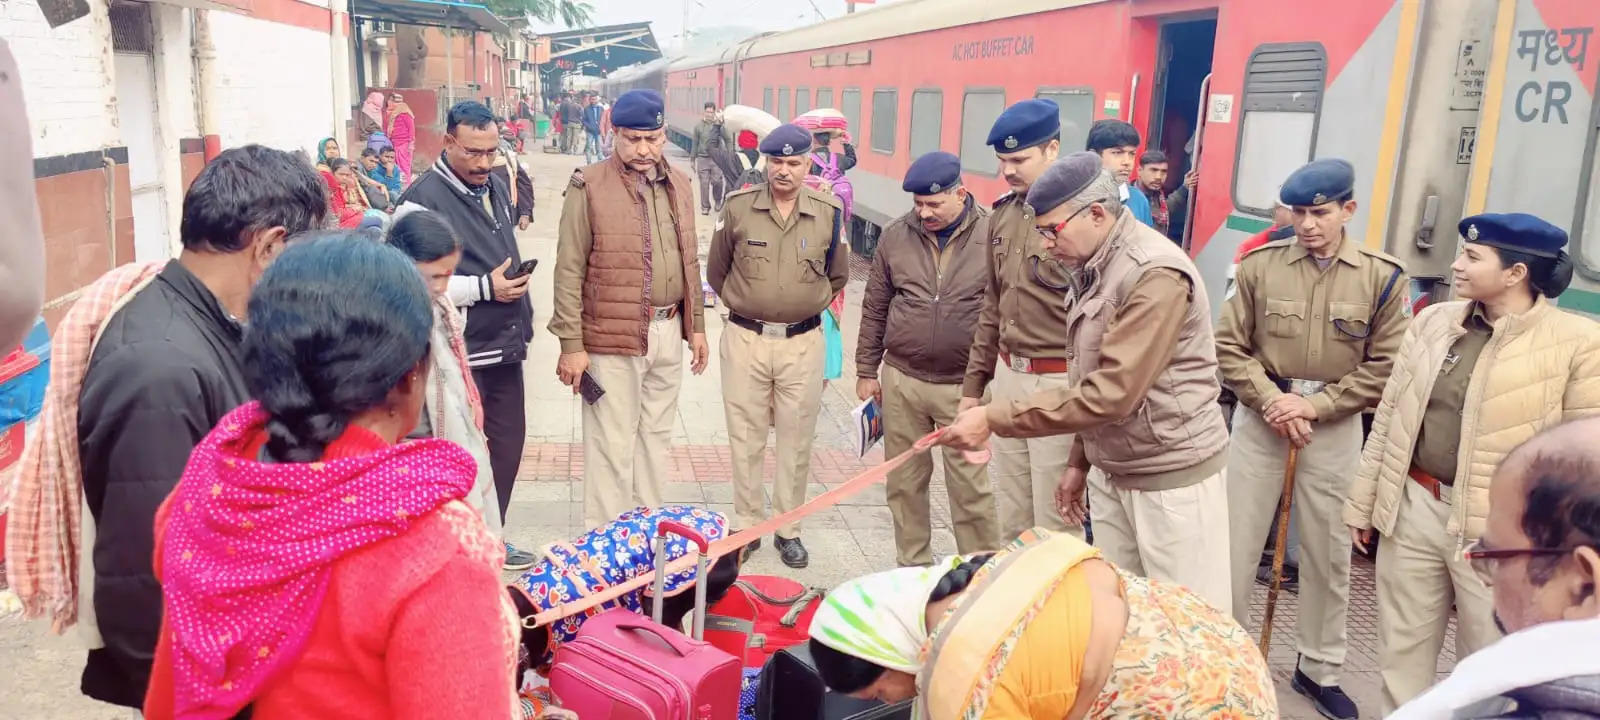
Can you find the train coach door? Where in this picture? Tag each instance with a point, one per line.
(1183, 61)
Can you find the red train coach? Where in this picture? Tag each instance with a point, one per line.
(1255, 87)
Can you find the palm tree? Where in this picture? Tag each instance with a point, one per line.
(571, 13)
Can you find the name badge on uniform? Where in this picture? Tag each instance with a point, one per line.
(756, 243)
(1450, 360)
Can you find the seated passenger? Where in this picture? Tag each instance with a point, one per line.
(1043, 629)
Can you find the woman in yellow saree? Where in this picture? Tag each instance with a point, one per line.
(1044, 629)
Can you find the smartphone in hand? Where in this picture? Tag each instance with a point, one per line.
(589, 389)
(513, 273)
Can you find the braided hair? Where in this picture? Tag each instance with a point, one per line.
(335, 324)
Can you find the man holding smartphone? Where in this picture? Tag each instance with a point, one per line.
(627, 297)
(463, 189)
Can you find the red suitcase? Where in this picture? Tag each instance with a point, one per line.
(760, 615)
(625, 667)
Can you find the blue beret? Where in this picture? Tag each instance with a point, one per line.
(934, 172)
(1318, 182)
(787, 140)
(1063, 180)
(1514, 231)
(638, 110)
(1024, 125)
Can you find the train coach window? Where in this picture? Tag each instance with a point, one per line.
(979, 108)
(885, 115)
(850, 106)
(824, 97)
(1283, 86)
(927, 121)
(802, 101)
(766, 99)
(783, 105)
(1077, 114)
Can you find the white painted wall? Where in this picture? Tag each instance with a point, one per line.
(66, 77)
(275, 83)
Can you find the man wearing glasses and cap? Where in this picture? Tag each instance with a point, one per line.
(1306, 341)
(1143, 389)
(1022, 325)
(776, 261)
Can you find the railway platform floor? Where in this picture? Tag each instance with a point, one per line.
(42, 670)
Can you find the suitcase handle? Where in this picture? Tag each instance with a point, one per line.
(666, 527)
(670, 527)
(679, 644)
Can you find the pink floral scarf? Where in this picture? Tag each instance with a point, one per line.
(248, 547)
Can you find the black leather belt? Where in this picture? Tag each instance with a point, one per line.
(1294, 386)
(780, 330)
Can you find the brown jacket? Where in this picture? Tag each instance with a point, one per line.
(1143, 367)
(922, 304)
(611, 269)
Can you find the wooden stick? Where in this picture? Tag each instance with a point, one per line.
(1279, 548)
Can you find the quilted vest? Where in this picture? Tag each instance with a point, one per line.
(616, 289)
(1179, 424)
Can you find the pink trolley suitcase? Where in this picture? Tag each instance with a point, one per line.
(625, 667)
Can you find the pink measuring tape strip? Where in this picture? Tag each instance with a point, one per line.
(730, 544)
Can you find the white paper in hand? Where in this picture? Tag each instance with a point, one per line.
(869, 425)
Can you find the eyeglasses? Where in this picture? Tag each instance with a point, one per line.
(478, 153)
(1053, 232)
(1484, 559)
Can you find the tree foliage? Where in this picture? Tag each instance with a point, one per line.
(571, 13)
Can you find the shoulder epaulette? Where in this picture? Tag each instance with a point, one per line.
(1381, 255)
(1273, 244)
(828, 198)
(1003, 199)
(742, 191)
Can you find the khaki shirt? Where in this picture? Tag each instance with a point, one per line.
(775, 269)
(573, 242)
(1439, 436)
(1021, 316)
(1289, 318)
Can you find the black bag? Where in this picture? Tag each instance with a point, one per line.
(791, 689)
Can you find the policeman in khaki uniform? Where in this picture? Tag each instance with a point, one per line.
(627, 300)
(1023, 325)
(1306, 341)
(776, 260)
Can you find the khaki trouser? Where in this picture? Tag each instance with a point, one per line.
(770, 382)
(1026, 472)
(1420, 572)
(1178, 535)
(911, 409)
(627, 434)
(1256, 457)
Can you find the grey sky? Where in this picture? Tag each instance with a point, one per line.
(667, 16)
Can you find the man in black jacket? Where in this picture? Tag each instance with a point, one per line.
(165, 370)
(462, 188)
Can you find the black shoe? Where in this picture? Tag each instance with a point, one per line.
(1329, 699)
(792, 552)
(518, 559)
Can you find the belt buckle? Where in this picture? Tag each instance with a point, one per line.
(1020, 364)
(663, 313)
(1306, 388)
(774, 330)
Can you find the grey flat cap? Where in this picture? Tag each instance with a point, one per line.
(1063, 180)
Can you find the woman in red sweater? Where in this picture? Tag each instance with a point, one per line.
(314, 565)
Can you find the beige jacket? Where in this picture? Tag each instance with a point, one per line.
(1540, 368)
(450, 413)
